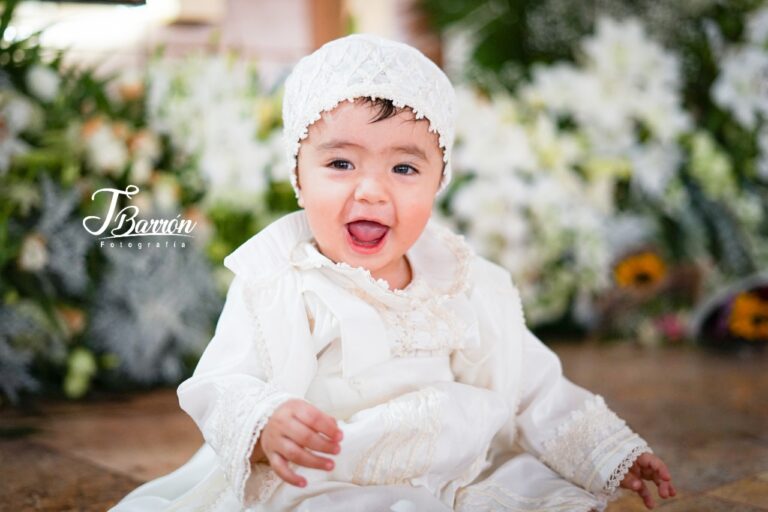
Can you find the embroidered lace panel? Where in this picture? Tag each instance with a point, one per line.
(489, 496)
(587, 441)
(405, 449)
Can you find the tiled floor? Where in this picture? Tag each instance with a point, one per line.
(706, 415)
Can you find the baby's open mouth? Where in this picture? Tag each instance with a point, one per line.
(367, 232)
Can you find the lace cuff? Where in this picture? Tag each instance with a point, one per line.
(236, 422)
(261, 484)
(594, 448)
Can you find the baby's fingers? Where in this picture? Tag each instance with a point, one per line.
(319, 421)
(664, 489)
(305, 437)
(645, 493)
(651, 474)
(634, 483)
(284, 471)
(295, 453)
(664, 471)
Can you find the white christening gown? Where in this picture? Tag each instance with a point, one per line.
(447, 401)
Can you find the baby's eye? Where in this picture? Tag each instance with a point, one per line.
(399, 169)
(335, 164)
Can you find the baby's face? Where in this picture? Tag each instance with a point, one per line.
(351, 170)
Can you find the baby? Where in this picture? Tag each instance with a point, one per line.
(366, 358)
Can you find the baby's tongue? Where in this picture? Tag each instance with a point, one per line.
(366, 230)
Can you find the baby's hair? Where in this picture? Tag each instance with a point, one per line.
(386, 108)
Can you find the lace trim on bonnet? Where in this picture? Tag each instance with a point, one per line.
(367, 65)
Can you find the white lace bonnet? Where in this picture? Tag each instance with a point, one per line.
(367, 65)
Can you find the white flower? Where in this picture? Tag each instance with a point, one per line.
(622, 53)
(166, 194)
(487, 142)
(16, 114)
(762, 162)
(662, 113)
(43, 82)
(749, 210)
(105, 151)
(128, 86)
(653, 166)
(280, 169)
(141, 172)
(626, 232)
(712, 167)
(757, 27)
(742, 86)
(33, 255)
(145, 150)
(457, 51)
(483, 203)
(560, 88)
(555, 150)
(144, 144)
(647, 333)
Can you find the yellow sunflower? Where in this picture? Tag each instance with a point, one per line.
(641, 270)
(749, 317)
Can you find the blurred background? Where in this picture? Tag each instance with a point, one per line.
(612, 154)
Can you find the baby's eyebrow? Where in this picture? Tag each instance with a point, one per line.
(336, 144)
(410, 149)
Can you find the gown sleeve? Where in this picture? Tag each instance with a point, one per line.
(569, 428)
(231, 394)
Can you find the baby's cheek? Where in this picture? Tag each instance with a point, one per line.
(411, 226)
(417, 211)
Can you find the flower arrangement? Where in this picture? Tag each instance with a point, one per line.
(73, 317)
(618, 198)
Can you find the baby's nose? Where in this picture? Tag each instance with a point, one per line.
(371, 189)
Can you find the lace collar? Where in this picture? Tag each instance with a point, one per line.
(439, 261)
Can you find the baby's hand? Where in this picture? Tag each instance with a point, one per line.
(649, 467)
(293, 429)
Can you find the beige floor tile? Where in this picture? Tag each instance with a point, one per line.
(143, 436)
(631, 502)
(627, 503)
(750, 491)
(34, 477)
(703, 503)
